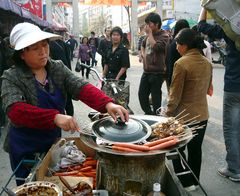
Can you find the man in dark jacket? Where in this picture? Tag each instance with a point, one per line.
(59, 50)
(2, 115)
(154, 49)
(104, 44)
(73, 44)
(117, 57)
(231, 99)
(93, 43)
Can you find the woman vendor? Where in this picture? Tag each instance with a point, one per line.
(34, 96)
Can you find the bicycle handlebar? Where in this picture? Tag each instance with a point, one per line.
(113, 85)
(92, 69)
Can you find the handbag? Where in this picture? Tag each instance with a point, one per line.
(78, 67)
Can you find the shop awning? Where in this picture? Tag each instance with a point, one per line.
(10, 6)
(58, 27)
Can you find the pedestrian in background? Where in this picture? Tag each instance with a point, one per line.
(2, 114)
(231, 98)
(154, 50)
(84, 55)
(141, 37)
(6, 62)
(93, 43)
(125, 41)
(73, 44)
(117, 59)
(104, 44)
(59, 50)
(173, 55)
(191, 79)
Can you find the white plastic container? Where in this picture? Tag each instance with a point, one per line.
(156, 190)
(100, 192)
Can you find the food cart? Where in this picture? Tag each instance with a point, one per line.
(124, 173)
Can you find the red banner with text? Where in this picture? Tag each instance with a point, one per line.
(108, 2)
(33, 6)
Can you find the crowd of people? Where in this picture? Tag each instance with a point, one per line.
(37, 85)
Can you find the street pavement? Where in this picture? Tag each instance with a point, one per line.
(213, 145)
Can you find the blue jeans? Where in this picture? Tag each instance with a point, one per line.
(231, 129)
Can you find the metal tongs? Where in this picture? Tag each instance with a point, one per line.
(9, 191)
(66, 184)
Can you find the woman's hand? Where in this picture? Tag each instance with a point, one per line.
(115, 111)
(65, 122)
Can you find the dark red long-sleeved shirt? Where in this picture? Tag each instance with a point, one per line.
(26, 115)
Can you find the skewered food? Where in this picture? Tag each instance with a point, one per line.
(168, 128)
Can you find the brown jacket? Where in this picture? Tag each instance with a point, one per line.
(190, 82)
(154, 57)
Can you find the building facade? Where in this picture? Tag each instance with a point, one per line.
(97, 18)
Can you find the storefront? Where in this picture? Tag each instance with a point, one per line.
(12, 13)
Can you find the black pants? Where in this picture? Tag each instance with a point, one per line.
(2, 115)
(194, 160)
(150, 84)
(69, 106)
(88, 70)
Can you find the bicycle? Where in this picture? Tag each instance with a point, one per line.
(119, 90)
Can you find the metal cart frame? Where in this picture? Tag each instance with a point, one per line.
(31, 177)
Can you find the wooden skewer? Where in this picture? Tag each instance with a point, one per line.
(183, 139)
(191, 119)
(86, 133)
(197, 127)
(184, 134)
(192, 123)
(180, 113)
(181, 117)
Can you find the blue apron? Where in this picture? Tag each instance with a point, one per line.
(25, 142)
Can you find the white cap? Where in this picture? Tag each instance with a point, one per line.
(157, 187)
(25, 34)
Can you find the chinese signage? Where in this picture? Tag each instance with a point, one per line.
(105, 2)
(33, 6)
(167, 4)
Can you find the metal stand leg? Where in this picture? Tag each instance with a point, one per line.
(31, 176)
(177, 153)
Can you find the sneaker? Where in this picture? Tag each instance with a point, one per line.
(191, 188)
(224, 172)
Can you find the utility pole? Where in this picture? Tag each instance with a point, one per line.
(159, 8)
(75, 17)
(49, 11)
(134, 25)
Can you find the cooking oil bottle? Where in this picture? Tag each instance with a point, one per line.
(156, 190)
